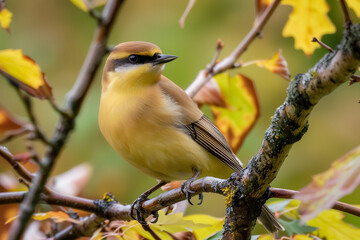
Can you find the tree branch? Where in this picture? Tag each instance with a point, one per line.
(290, 122)
(66, 123)
(117, 211)
(229, 61)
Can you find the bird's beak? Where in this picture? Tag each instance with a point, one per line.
(163, 58)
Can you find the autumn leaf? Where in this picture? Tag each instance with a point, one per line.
(215, 225)
(57, 216)
(325, 188)
(295, 227)
(354, 5)
(234, 104)
(7, 122)
(24, 72)
(330, 223)
(201, 226)
(86, 5)
(276, 64)
(82, 4)
(332, 226)
(5, 18)
(308, 19)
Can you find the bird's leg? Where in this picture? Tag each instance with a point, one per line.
(137, 205)
(185, 187)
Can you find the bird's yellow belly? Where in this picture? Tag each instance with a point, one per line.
(157, 148)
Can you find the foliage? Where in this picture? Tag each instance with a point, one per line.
(235, 105)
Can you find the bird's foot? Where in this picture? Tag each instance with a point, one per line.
(136, 206)
(185, 188)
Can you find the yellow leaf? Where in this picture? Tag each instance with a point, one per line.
(265, 237)
(11, 219)
(331, 226)
(200, 225)
(215, 225)
(5, 18)
(301, 237)
(341, 179)
(276, 64)
(82, 4)
(354, 5)
(308, 19)
(23, 71)
(242, 108)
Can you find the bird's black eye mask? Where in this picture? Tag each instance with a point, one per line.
(131, 60)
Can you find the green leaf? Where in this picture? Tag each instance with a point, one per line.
(294, 227)
(216, 236)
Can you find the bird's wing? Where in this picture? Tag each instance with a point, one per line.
(199, 127)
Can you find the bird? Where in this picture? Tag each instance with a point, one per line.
(156, 127)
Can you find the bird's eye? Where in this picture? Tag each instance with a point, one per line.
(133, 58)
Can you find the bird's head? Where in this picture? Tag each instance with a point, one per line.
(134, 64)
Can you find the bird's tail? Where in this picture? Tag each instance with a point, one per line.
(269, 221)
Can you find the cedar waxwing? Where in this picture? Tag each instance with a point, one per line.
(155, 126)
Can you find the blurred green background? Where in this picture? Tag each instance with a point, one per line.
(57, 35)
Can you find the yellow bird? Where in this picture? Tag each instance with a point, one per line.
(155, 126)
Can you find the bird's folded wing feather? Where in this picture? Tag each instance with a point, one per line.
(199, 127)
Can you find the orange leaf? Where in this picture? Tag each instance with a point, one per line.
(307, 20)
(276, 64)
(7, 122)
(24, 72)
(234, 104)
(56, 216)
(327, 187)
(5, 18)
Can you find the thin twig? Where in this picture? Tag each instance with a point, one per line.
(57, 108)
(65, 125)
(19, 168)
(228, 62)
(219, 47)
(29, 110)
(288, 194)
(9, 135)
(152, 233)
(345, 9)
(322, 44)
(353, 78)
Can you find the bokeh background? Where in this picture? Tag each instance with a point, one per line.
(57, 35)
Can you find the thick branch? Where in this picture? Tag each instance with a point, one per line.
(66, 124)
(118, 211)
(290, 121)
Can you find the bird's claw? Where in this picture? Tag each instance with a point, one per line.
(185, 188)
(136, 207)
